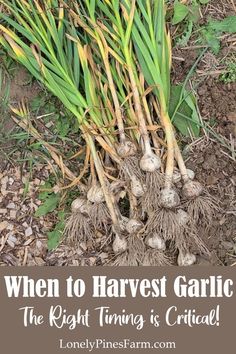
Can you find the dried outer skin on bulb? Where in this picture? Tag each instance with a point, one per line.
(81, 205)
(183, 216)
(186, 259)
(137, 188)
(134, 226)
(155, 241)
(150, 162)
(126, 149)
(119, 244)
(95, 194)
(77, 203)
(192, 189)
(169, 198)
(85, 209)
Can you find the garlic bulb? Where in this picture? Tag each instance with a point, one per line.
(169, 198)
(133, 226)
(77, 203)
(156, 242)
(126, 148)
(137, 188)
(119, 244)
(183, 217)
(95, 194)
(186, 259)
(150, 162)
(80, 205)
(192, 189)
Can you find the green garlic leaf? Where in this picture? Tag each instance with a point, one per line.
(186, 118)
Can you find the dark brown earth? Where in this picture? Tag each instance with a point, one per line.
(217, 172)
(218, 100)
(213, 162)
(21, 89)
(214, 165)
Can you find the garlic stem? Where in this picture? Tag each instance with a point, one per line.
(181, 163)
(109, 198)
(103, 47)
(170, 149)
(139, 112)
(166, 122)
(149, 120)
(118, 114)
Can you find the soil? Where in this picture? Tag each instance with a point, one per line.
(217, 100)
(217, 172)
(21, 89)
(213, 164)
(216, 168)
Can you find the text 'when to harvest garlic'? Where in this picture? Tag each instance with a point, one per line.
(105, 287)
